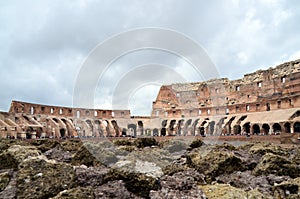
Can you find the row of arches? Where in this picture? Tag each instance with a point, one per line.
(72, 127)
(267, 129)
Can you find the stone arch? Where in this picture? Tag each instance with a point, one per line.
(131, 128)
(179, 125)
(237, 129)
(155, 132)
(124, 132)
(246, 127)
(164, 123)
(172, 127)
(203, 123)
(97, 122)
(202, 131)
(140, 127)
(163, 131)
(98, 128)
(29, 132)
(108, 128)
(91, 128)
(186, 126)
(148, 132)
(287, 127)
(39, 132)
(256, 129)
(69, 128)
(55, 120)
(266, 128)
(194, 125)
(297, 127)
(276, 128)
(211, 127)
(62, 132)
(228, 125)
(117, 128)
(219, 126)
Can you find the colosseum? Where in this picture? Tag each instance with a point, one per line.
(265, 102)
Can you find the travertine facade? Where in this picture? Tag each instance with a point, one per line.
(224, 105)
(264, 102)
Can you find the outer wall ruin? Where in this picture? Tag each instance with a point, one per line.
(264, 102)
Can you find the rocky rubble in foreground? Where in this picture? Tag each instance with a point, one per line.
(144, 168)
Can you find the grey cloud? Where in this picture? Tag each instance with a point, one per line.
(44, 43)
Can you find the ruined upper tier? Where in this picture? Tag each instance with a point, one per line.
(263, 90)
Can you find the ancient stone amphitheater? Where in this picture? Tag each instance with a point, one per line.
(264, 102)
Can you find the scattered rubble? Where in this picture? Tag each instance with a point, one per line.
(168, 169)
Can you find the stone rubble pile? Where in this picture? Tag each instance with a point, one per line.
(145, 168)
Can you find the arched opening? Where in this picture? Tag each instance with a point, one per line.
(171, 127)
(265, 129)
(28, 135)
(62, 132)
(148, 132)
(97, 122)
(141, 127)
(55, 120)
(186, 127)
(212, 127)
(276, 128)
(78, 114)
(98, 128)
(155, 132)
(132, 129)
(39, 132)
(163, 131)
(297, 127)
(246, 128)
(256, 129)
(91, 126)
(29, 132)
(108, 131)
(164, 123)
(194, 127)
(228, 125)
(32, 110)
(237, 129)
(202, 131)
(203, 123)
(268, 108)
(117, 128)
(124, 132)
(179, 125)
(287, 127)
(69, 129)
(26, 118)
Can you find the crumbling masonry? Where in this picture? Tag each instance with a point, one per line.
(263, 102)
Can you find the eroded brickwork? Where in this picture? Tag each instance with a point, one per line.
(264, 102)
(264, 90)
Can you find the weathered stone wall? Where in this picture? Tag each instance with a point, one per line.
(215, 107)
(36, 109)
(264, 90)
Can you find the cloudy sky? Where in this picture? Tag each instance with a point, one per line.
(44, 45)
